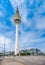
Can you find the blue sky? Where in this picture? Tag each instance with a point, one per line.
(31, 28)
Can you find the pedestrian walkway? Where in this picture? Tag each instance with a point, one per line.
(23, 60)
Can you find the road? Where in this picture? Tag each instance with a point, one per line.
(9, 61)
(23, 60)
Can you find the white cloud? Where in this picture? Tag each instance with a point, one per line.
(31, 2)
(4, 26)
(26, 37)
(13, 4)
(1, 39)
(22, 8)
(16, 2)
(4, 40)
(40, 23)
(19, 2)
(1, 13)
(42, 8)
(39, 19)
(30, 38)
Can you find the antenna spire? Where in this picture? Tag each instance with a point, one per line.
(17, 10)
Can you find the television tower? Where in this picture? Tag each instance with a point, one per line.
(17, 21)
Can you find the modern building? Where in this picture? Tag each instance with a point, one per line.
(31, 52)
(35, 52)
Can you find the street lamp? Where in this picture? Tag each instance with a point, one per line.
(4, 46)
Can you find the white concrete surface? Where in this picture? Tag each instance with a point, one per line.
(17, 41)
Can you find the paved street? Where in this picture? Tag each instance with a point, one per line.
(9, 61)
(23, 60)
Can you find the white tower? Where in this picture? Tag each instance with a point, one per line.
(17, 21)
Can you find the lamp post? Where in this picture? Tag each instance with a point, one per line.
(4, 46)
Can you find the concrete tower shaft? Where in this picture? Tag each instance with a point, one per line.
(17, 21)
